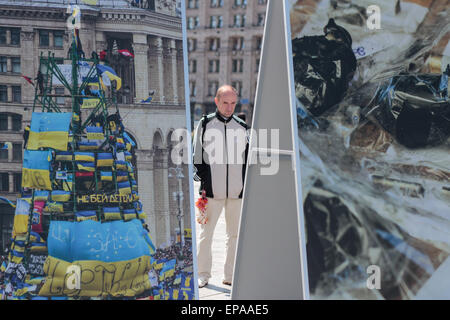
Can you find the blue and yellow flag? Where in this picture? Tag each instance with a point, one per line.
(112, 258)
(105, 160)
(49, 130)
(112, 213)
(36, 170)
(107, 75)
(168, 270)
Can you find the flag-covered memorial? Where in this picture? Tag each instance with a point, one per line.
(79, 229)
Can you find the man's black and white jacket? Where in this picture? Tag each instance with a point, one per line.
(220, 155)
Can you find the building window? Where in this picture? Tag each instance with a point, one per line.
(193, 89)
(2, 35)
(3, 152)
(193, 23)
(261, 18)
(215, 22)
(4, 181)
(238, 86)
(262, 1)
(44, 39)
(17, 182)
(15, 36)
(258, 43)
(3, 94)
(58, 39)
(237, 65)
(15, 64)
(192, 45)
(17, 151)
(214, 44)
(193, 4)
(240, 3)
(3, 64)
(237, 43)
(17, 94)
(257, 65)
(214, 66)
(3, 121)
(192, 66)
(212, 88)
(216, 3)
(60, 100)
(17, 123)
(239, 20)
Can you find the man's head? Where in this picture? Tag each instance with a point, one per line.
(226, 100)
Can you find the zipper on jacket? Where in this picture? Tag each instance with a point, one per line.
(226, 150)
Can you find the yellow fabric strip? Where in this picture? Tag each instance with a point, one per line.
(105, 163)
(20, 224)
(34, 178)
(51, 139)
(98, 279)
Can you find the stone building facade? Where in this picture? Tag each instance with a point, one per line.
(152, 31)
(224, 43)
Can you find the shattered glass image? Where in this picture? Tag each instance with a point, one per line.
(374, 144)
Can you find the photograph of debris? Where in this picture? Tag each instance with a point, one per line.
(92, 203)
(373, 110)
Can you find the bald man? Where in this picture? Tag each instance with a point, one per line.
(220, 157)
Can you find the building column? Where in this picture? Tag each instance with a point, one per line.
(9, 64)
(140, 48)
(28, 60)
(10, 120)
(165, 214)
(100, 42)
(162, 208)
(11, 180)
(9, 95)
(173, 75)
(146, 187)
(8, 36)
(180, 72)
(157, 69)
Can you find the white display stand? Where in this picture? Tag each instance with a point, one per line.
(271, 252)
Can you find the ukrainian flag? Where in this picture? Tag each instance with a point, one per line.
(168, 270)
(36, 170)
(86, 166)
(61, 196)
(105, 160)
(114, 270)
(84, 156)
(122, 176)
(112, 213)
(95, 133)
(129, 214)
(86, 215)
(106, 176)
(88, 145)
(121, 165)
(108, 74)
(41, 195)
(49, 130)
(124, 187)
(54, 207)
(63, 156)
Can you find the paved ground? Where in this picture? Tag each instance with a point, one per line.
(215, 290)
